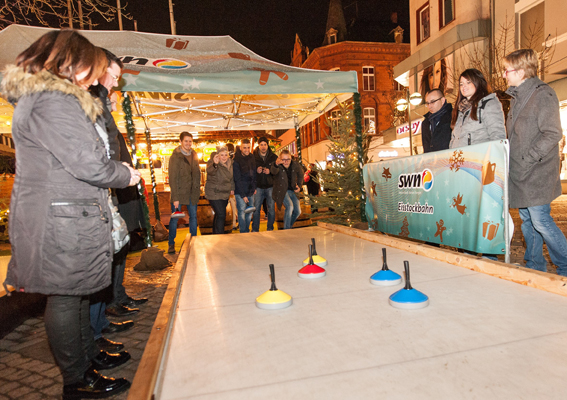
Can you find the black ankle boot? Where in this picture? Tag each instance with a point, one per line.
(105, 360)
(95, 386)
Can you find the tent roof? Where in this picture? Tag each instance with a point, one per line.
(198, 83)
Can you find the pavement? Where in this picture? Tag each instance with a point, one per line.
(27, 368)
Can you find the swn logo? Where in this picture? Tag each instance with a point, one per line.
(163, 63)
(423, 180)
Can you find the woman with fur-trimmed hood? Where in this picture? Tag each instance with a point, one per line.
(60, 220)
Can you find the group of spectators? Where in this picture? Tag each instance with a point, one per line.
(255, 178)
(533, 128)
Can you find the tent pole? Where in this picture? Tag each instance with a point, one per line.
(131, 129)
(297, 139)
(171, 18)
(360, 153)
(152, 169)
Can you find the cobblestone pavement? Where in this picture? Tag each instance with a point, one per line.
(27, 368)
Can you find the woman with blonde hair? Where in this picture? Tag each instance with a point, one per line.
(60, 219)
(219, 186)
(534, 131)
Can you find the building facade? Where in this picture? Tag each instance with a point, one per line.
(374, 64)
(449, 36)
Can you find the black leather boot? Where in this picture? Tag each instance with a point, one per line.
(95, 386)
(104, 360)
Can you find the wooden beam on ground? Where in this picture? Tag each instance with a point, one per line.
(145, 380)
(525, 276)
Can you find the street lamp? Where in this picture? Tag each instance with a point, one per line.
(402, 105)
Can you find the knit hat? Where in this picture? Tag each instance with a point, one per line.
(263, 139)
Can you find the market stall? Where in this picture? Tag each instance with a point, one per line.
(213, 87)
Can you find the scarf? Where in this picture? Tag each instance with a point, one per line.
(464, 105)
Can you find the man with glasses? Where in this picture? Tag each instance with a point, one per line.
(436, 127)
(288, 178)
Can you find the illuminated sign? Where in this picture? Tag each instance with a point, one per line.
(385, 153)
(404, 129)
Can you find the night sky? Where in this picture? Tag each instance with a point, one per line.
(267, 27)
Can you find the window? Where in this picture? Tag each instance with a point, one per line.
(422, 20)
(370, 120)
(446, 12)
(332, 36)
(335, 117)
(398, 86)
(531, 30)
(368, 79)
(312, 129)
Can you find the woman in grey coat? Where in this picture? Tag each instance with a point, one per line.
(60, 220)
(219, 186)
(478, 115)
(534, 131)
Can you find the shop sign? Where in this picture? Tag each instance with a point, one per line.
(404, 129)
(166, 152)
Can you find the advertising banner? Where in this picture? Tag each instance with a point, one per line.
(454, 197)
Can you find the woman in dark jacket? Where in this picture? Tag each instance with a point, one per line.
(219, 186)
(60, 226)
(477, 116)
(534, 131)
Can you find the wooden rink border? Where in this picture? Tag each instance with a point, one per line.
(145, 381)
(525, 276)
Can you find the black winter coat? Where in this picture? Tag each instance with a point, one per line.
(244, 170)
(436, 129)
(281, 182)
(264, 181)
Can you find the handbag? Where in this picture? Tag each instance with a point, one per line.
(120, 234)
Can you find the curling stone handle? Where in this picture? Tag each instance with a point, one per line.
(406, 269)
(314, 252)
(384, 264)
(310, 247)
(273, 277)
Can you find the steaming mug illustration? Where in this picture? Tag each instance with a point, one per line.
(488, 170)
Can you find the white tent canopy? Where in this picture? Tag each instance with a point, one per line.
(199, 84)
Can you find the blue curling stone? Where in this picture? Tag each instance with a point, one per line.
(385, 278)
(409, 299)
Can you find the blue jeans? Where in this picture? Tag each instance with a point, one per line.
(538, 226)
(98, 319)
(292, 209)
(243, 218)
(259, 197)
(192, 209)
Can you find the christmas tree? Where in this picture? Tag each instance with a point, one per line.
(342, 201)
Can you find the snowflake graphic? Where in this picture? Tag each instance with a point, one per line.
(457, 160)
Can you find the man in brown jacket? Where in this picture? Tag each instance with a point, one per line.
(185, 184)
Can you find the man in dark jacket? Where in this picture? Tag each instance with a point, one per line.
(436, 127)
(185, 185)
(112, 299)
(264, 158)
(288, 179)
(244, 171)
